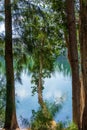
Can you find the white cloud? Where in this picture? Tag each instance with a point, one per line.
(22, 93)
(2, 28)
(55, 94)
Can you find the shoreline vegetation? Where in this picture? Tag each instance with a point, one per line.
(52, 126)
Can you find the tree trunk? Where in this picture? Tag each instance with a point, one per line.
(40, 89)
(40, 85)
(83, 41)
(73, 58)
(10, 114)
(82, 99)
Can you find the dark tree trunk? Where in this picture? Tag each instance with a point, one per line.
(83, 41)
(73, 58)
(10, 114)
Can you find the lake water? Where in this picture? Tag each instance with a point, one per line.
(59, 85)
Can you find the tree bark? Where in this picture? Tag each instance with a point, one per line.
(82, 99)
(73, 58)
(40, 86)
(40, 96)
(10, 114)
(83, 46)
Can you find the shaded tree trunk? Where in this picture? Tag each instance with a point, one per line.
(10, 114)
(83, 45)
(73, 58)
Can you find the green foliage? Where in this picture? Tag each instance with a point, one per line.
(2, 55)
(2, 65)
(84, 2)
(54, 107)
(60, 126)
(2, 100)
(72, 126)
(62, 65)
(41, 120)
(1, 18)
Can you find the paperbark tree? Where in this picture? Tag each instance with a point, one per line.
(73, 58)
(10, 114)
